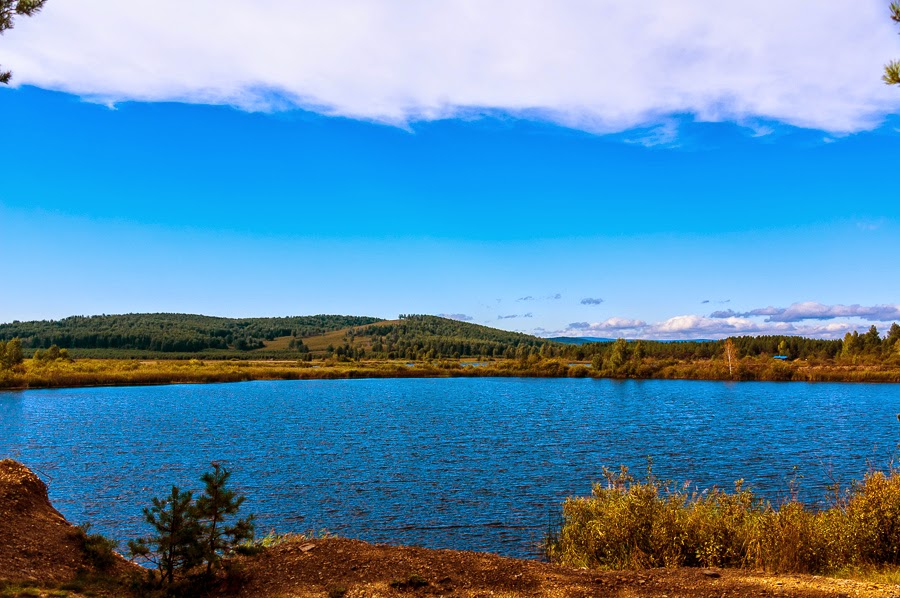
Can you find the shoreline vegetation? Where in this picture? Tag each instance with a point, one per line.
(631, 524)
(146, 349)
(72, 373)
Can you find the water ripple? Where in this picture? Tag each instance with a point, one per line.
(477, 464)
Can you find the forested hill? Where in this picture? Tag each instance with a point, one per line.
(171, 332)
(429, 337)
(411, 337)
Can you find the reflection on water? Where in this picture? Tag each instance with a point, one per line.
(479, 464)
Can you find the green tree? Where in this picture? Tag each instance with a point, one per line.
(11, 353)
(783, 348)
(639, 353)
(618, 356)
(871, 340)
(189, 533)
(892, 68)
(852, 344)
(175, 544)
(213, 508)
(10, 9)
(893, 335)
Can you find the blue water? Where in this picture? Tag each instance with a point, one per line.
(476, 464)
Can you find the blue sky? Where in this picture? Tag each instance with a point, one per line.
(592, 202)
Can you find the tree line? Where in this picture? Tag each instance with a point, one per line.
(166, 333)
(423, 337)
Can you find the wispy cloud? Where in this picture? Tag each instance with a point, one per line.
(692, 326)
(870, 225)
(810, 310)
(664, 134)
(591, 301)
(512, 316)
(603, 66)
(609, 325)
(553, 297)
(460, 317)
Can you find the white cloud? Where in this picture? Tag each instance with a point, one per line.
(810, 310)
(693, 326)
(603, 66)
(687, 327)
(460, 317)
(609, 325)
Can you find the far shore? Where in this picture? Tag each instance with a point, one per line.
(130, 372)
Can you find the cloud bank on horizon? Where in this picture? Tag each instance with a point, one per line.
(792, 321)
(602, 67)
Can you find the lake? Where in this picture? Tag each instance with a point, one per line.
(474, 464)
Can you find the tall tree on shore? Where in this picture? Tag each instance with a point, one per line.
(730, 356)
(10, 9)
(892, 69)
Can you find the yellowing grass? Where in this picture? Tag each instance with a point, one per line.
(628, 524)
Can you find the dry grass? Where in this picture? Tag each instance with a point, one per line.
(114, 372)
(627, 524)
(281, 343)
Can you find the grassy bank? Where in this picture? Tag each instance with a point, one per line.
(59, 373)
(629, 524)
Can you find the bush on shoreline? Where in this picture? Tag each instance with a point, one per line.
(630, 524)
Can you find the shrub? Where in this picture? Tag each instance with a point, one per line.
(98, 549)
(628, 524)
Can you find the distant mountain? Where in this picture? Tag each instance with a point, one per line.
(582, 340)
(579, 340)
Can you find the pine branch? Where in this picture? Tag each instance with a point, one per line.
(29, 7)
(25, 8)
(892, 69)
(892, 73)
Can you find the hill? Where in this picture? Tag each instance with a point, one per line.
(170, 333)
(421, 337)
(341, 337)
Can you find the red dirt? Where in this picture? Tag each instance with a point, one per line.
(36, 541)
(300, 569)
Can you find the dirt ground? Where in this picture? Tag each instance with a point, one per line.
(36, 542)
(350, 568)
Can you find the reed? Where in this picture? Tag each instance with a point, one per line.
(631, 524)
